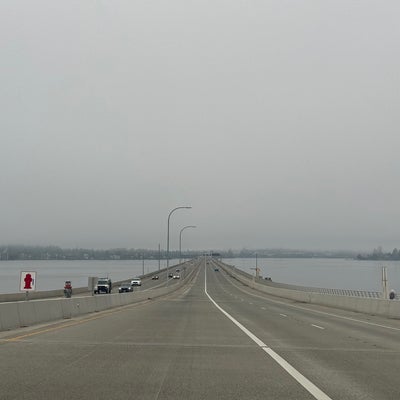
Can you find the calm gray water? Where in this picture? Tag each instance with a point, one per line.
(325, 273)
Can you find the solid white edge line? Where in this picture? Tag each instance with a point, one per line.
(317, 326)
(307, 384)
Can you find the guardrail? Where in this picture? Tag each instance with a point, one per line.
(343, 292)
(338, 292)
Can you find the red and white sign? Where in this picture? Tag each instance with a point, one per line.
(27, 281)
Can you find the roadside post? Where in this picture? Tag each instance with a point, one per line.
(385, 287)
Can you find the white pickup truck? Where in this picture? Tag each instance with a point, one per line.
(103, 285)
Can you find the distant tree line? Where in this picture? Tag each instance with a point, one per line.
(289, 253)
(379, 254)
(58, 253)
(21, 252)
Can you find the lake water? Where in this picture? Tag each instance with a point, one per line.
(324, 273)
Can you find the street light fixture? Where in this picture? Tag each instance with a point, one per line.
(169, 216)
(180, 240)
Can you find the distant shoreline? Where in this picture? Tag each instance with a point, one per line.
(8, 253)
(29, 253)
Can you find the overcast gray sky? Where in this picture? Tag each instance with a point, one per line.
(277, 121)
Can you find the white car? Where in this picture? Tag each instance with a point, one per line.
(136, 282)
(176, 276)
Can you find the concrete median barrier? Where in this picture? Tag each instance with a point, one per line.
(9, 316)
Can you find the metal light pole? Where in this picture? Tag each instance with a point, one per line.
(180, 240)
(159, 256)
(169, 216)
(257, 270)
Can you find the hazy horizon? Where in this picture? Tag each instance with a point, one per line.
(233, 250)
(277, 122)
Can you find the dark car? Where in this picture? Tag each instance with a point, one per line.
(125, 287)
(154, 277)
(170, 275)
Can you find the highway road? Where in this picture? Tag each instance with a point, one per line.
(213, 338)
